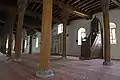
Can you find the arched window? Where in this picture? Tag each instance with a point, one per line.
(25, 44)
(60, 28)
(37, 42)
(81, 35)
(113, 33)
(7, 43)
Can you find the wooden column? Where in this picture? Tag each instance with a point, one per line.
(64, 39)
(65, 17)
(21, 9)
(45, 49)
(107, 51)
(30, 48)
(10, 24)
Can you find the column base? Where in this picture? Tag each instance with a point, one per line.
(64, 57)
(107, 63)
(18, 60)
(44, 74)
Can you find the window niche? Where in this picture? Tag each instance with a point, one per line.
(113, 33)
(81, 35)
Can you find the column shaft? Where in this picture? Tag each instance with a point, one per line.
(64, 39)
(21, 9)
(65, 17)
(45, 50)
(107, 51)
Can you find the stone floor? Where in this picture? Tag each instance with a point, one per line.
(65, 69)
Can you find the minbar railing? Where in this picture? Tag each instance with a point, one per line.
(91, 48)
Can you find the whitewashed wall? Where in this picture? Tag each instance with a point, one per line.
(114, 17)
(72, 46)
(28, 44)
(34, 48)
(72, 30)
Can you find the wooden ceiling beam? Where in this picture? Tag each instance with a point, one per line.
(75, 2)
(33, 6)
(93, 7)
(79, 4)
(55, 11)
(97, 2)
(96, 8)
(71, 14)
(29, 13)
(71, 9)
(85, 4)
(75, 18)
(38, 7)
(69, 1)
(116, 2)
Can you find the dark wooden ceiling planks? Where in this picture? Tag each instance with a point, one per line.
(75, 8)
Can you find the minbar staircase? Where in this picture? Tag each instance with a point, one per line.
(92, 47)
(94, 50)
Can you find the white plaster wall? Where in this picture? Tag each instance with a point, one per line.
(114, 17)
(72, 46)
(74, 49)
(54, 30)
(34, 49)
(37, 50)
(28, 44)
